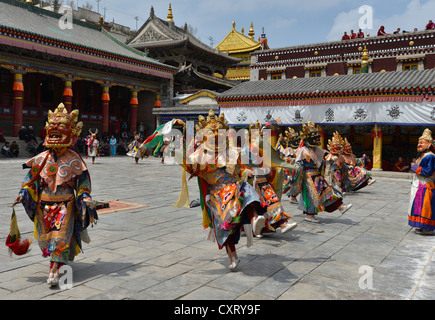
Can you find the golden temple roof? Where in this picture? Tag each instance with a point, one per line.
(237, 42)
(238, 73)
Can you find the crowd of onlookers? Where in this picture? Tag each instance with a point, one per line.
(381, 32)
(12, 149)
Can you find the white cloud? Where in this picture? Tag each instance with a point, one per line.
(345, 21)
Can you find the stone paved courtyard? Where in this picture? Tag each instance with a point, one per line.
(161, 252)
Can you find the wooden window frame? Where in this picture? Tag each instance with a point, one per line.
(276, 76)
(315, 73)
(410, 65)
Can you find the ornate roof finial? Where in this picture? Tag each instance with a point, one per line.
(365, 56)
(365, 61)
(234, 25)
(152, 11)
(251, 31)
(170, 16)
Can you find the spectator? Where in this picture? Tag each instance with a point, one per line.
(15, 149)
(397, 31)
(122, 149)
(368, 163)
(31, 146)
(415, 29)
(345, 36)
(352, 34)
(430, 25)
(401, 165)
(381, 31)
(22, 133)
(141, 129)
(124, 127)
(6, 151)
(30, 134)
(112, 146)
(2, 139)
(124, 136)
(360, 34)
(117, 127)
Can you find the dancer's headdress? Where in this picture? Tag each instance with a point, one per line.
(257, 125)
(310, 134)
(347, 148)
(62, 127)
(335, 145)
(292, 137)
(427, 135)
(212, 122)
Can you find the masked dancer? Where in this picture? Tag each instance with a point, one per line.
(357, 177)
(266, 181)
(227, 202)
(316, 195)
(293, 141)
(56, 193)
(93, 145)
(421, 211)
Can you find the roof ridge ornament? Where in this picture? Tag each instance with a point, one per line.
(170, 16)
(365, 61)
(251, 33)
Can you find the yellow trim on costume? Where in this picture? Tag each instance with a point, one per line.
(183, 200)
(35, 230)
(32, 193)
(206, 222)
(77, 250)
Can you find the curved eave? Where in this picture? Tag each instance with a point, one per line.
(244, 50)
(27, 40)
(186, 42)
(243, 43)
(413, 94)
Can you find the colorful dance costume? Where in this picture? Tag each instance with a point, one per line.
(267, 181)
(421, 212)
(93, 145)
(225, 198)
(316, 195)
(136, 149)
(292, 140)
(335, 167)
(55, 190)
(357, 176)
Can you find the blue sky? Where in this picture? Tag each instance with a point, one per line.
(286, 22)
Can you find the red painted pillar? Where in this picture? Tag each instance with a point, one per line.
(18, 93)
(133, 112)
(157, 103)
(68, 95)
(105, 98)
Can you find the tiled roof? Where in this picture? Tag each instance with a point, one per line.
(27, 19)
(236, 42)
(186, 110)
(369, 83)
(176, 36)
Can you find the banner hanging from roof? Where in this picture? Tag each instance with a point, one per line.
(398, 113)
